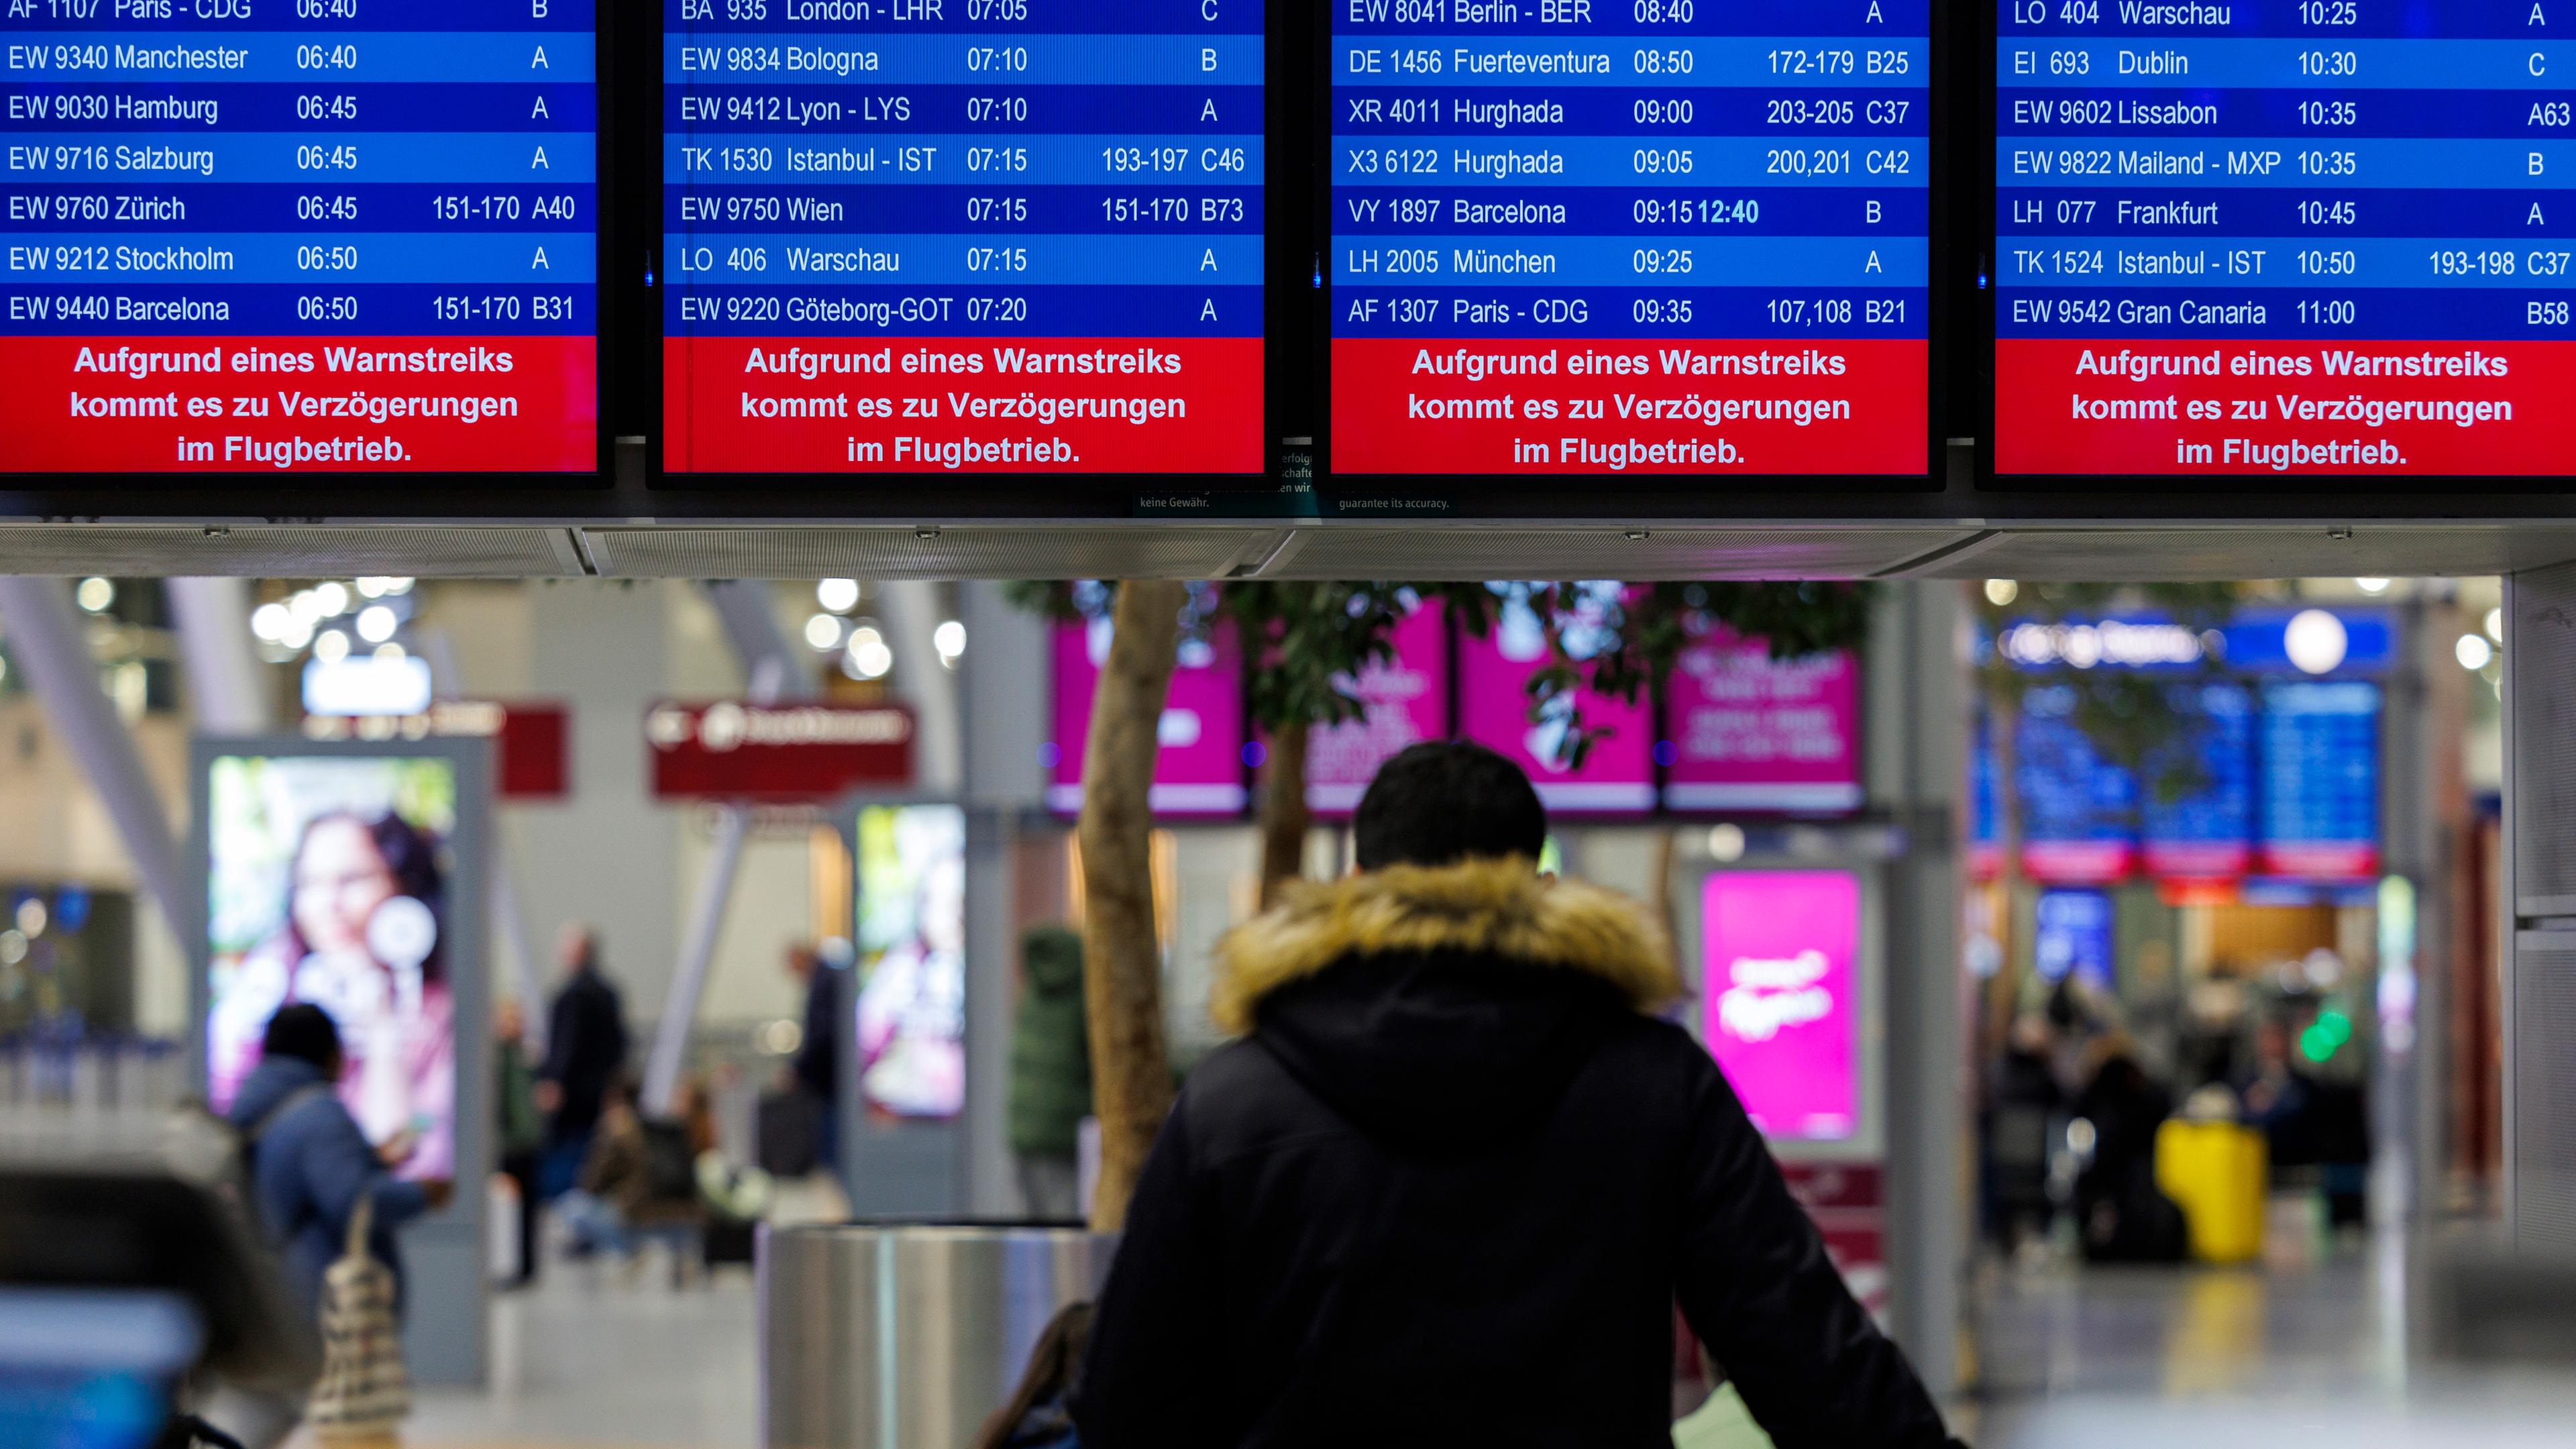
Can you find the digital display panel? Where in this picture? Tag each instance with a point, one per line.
(1779, 967)
(2072, 936)
(2321, 239)
(1750, 732)
(1616, 774)
(327, 882)
(2320, 812)
(1406, 701)
(2078, 809)
(2205, 830)
(1604, 237)
(925, 236)
(1198, 765)
(912, 959)
(320, 236)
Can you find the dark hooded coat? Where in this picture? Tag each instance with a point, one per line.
(1448, 1190)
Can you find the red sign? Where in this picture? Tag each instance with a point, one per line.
(1850, 1212)
(531, 743)
(736, 751)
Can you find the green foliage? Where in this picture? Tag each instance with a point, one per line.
(2140, 720)
(1305, 641)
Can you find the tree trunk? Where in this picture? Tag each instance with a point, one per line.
(1284, 818)
(1122, 962)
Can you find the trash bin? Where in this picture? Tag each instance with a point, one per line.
(906, 1335)
(2216, 1173)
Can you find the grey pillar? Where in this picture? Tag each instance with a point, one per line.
(49, 641)
(226, 682)
(1003, 710)
(776, 673)
(2539, 926)
(913, 614)
(1916, 702)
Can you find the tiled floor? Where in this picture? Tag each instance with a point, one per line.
(2302, 1351)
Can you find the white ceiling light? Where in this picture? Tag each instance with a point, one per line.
(269, 622)
(2315, 641)
(2473, 651)
(376, 623)
(2000, 592)
(331, 646)
(869, 657)
(95, 594)
(2495, 625)
(949, 639)
(2371, 586)
(823, 631)
(331, 598)
(839, 596)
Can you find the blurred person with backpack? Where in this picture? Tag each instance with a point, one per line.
(1050, 1073)
(585, 1050)
(1451, 1183)
(311, 1172)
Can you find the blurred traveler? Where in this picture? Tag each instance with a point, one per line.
(616, 1180)
(2027, 1101)
(2276, 1095)
(2122, 1214)
(310, 1166)
(818, 1052)
(1050, 1072)
(1449, 1188)
(517, 1125)
(585, 1049)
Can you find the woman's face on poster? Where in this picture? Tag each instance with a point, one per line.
(340, 879)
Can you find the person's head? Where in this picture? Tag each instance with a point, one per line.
(2030, 1034)
(576, 947)
(347, 866)
(509, 1020)
(1441, 802)
(2272, 1041)
(306, 1033)
(802, 958)
(1051, 957)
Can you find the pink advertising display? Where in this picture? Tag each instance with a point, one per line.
(1751, 732)
(1199, 770)
(1778, 954)
(1616, 777)
(1408, 702)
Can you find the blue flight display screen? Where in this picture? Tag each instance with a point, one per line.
(2205, 831)
(307, 235)
(2316, 238)
(2320, 786)
(1630, 236)
(919, 236)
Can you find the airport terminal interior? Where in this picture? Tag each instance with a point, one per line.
(1962, 921)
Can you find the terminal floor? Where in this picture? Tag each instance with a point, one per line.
(2302, 1351)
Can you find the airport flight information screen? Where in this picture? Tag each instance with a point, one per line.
(2314, 238)
(298, 235)
(1629, 236)
(922, 236)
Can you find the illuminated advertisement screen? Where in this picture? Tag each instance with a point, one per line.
(1608, 238)
(1750, 732)
(2309, 240)
(328, 882)
(1779, 975)
(1013, 236)
(326, 236)
(1407, 701)
(1616, 776)
(912, 959)
(1198, 765)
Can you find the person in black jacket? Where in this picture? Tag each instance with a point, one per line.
(585, 1050)
(1449, 1187)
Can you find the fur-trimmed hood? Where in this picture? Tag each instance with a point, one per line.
(1494, 908)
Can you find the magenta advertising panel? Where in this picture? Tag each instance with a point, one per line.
(1779, 976)
(1616, 777)
(1751, 732)
(1408, 702)
(1199, 770)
